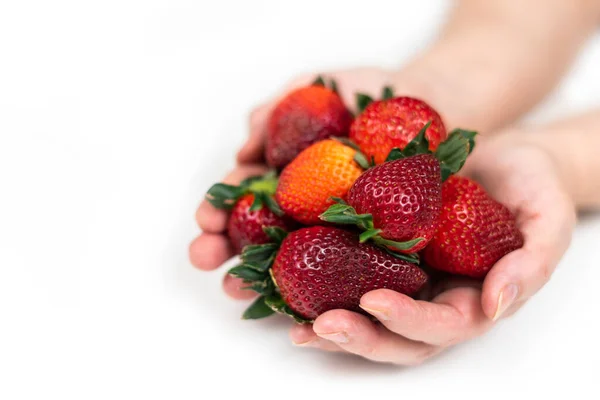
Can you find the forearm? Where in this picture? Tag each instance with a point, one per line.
(496, 59)
(573, 144)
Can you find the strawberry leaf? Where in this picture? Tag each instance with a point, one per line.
(337, 208)
(275, 233)
(258, 252)
(271, 204)
(265, 287)
(247, 273)
(333, 86)
(345, 214)
(249, 181)
(388, 93)
(258, 309)
(361, 160)
(257, 204)
(419, 145)
(224, 196)
(395, 154)
(277, 304)
(368, 234)
(411, 258)
(453, 152)
(401, 246)
(362, 101)
(469, 135)
(346, 142)
(338, 200)
(319, 81)
(263, 264)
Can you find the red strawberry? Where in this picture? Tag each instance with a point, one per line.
(303, 117)
(404, 198)
(398, 203)
(393, 123)
(246, 226)
(475, 231)
(252, 209)
(323, 268)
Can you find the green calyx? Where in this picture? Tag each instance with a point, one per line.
(451, 153)
(344, 214)
(359, 156)
(263, 188)
(331, 85)
(363, 100)
(255, 270)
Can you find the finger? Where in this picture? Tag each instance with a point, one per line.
(214, 220)
(356, 334)
(234, 288)
(452, 317)
(519, 275)
(304, 336)
(453, 283)
(208, 251)
(515, 307)
(253, 150)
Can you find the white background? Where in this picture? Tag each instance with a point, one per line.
(116, 116)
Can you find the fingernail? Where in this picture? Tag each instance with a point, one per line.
(379, 314)
(336, 337)
(308, 343)
(507, 297)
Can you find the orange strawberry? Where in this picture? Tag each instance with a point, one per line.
(325, 169)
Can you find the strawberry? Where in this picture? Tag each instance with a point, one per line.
(404, 198)
(393, 123)
(319, 268)
(303, 117)
(248, 212)
(246, 225)
(325, 169)
(475, 231)
(398, 203)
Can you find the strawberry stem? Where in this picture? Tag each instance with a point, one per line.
(344, 214)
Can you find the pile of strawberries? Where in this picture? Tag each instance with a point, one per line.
(359, 204)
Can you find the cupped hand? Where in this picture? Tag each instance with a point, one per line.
(410, 331)
(211, 248)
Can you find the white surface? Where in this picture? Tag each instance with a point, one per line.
(116, 116)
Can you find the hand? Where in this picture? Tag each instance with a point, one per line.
(211, 249)
(410, 331)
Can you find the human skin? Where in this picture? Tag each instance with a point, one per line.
(474, 75)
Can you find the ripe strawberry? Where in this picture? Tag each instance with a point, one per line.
(475, 231)
(404, 198)
(398, 203)
(323, 268)
(325, 169)
(303, 117)
(246, 226)
(393, 123)
(252, 209)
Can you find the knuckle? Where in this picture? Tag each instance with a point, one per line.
(544, 273)
(369, 351)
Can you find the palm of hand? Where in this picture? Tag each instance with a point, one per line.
(409, 331)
